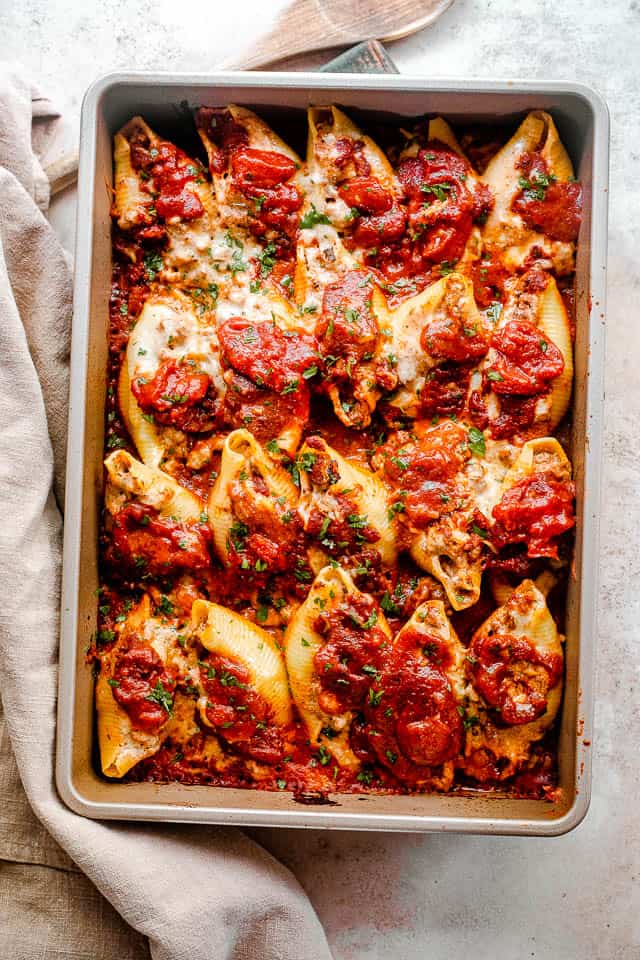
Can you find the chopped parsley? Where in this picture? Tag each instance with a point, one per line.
(371, 621)
(162, 697)
(371, 671)
(535, 187)
(228, 680)
(153, 264)
(261, 614)
(397, 507)
(366, 776)
(313, 217)
(388, 605)
(267, 259)
(476, 442)
(438, 190)
(494, 311)
(165, 606)
(238, 533)
(326, 523)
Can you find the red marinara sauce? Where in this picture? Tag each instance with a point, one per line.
(224, 133)
(157, 545)
(178, 396)
(266, 354)
(237, 712)
(546, 204)
(489, 276)
(441, 207)
(349, 660)
(142, 686)
(535, 511)
(449, 338)
(434, 454)
(262, 176)
(377, 217)
(513, 676)
(413, 721)
(525, 362)
(347, 328)
(172, 175)
(265, 412)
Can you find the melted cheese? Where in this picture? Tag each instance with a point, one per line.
(485, 477)
(166, 333)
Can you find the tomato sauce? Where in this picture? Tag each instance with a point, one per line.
(170, 177)
(266, 355)
(449, 338)
(144, 541)
(445, 390)
(536, 511)
(179, 396)
(489, 275)
(239, 715)
(349, 660)
(143, 687)
(413, 723)
(525, 361)
(513, 676)
(546, 204)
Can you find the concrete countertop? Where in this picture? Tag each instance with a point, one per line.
(442, 897)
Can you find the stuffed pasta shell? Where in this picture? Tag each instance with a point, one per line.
(536, 500)
(137, 703)
(344, 507)
(439, 337)
(413, 714)
(163, 199)
(334, 646)
(243, 682)
(259, 185)
(351, 179)
(253, 513)
(524, 387)
(156, 527)
(434, 511)
(268, 370)
(171, 381)
(354, 338)
(515, 666)
(538, 203)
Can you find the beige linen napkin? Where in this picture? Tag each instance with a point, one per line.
(196, 892)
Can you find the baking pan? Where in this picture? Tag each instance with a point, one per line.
(582, 119)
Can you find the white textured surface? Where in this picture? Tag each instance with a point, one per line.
(441, 898)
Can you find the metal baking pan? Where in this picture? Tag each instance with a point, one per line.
(583, 123)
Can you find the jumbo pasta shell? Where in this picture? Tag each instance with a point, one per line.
(230, 635)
